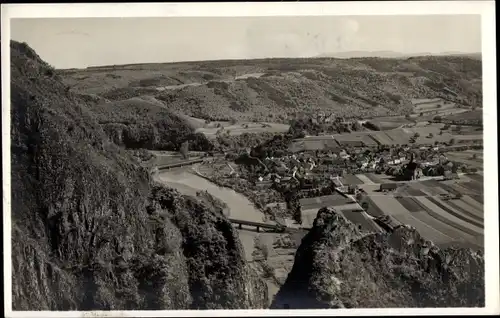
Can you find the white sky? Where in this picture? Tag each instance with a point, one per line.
(82, 42)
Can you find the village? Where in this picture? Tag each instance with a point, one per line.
(375, 177)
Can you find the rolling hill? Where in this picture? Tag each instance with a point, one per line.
(276, 90)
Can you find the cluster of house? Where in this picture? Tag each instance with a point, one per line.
(309, 167)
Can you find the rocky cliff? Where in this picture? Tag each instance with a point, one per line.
(90, 231)
(336, 266)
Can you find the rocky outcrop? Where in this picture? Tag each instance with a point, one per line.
(219, 277)
(336, 266)
(89, 229)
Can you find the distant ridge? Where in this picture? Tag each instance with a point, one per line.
(392, 54)
(339, 55)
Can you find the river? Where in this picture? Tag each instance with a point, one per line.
(239, 207)
(186, 182)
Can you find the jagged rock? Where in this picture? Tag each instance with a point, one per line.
(336, 266)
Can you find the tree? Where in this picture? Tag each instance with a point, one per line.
(365, 206)
(184, 150)
(431, 135)
(359, 196)
(416, 135)
(265, 251)
(297, 212)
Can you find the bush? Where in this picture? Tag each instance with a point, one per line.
(268, 270)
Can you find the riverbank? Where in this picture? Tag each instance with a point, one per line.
(270, 254)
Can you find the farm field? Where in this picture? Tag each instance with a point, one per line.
(210, 130)
(465, 130)
(412, 189)
(373, 209)
(445, 222)
(473, 158)
(426, 230)
(392, 119)
(383, 138)
(440, 214)
(467, 115)
(468, 137)
(429, 134)
(312, 144)
(466, 214)
(465, 158)
(324, 201)
(434, 104)
(375, 178)
(443, 113)
(351, 180)
(431, 187)
(391, 122)
(365, 179)
(398, 136)
(347, 139)
(465, 207)
(349, 210)
(470, 200)
(308, 216)
(361, 220)
(470, 188)
(410, 204)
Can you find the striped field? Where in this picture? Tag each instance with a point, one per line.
(445, 222)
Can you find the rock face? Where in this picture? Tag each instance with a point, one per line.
(89, 229)
(337, 266)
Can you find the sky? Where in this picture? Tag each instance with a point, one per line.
(83, 42)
